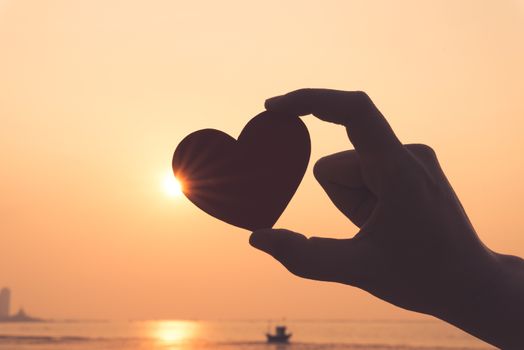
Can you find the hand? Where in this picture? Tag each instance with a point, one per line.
(416, 247)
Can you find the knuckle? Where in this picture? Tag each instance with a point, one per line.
(362, 98)
(361, 95)
(422, 150)
(410, 176)
(361, 102)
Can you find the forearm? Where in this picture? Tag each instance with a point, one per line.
(495, 312)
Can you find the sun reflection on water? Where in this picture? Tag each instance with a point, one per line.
(174, 332)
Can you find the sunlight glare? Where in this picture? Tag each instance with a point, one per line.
(172, 186)
(173, 332)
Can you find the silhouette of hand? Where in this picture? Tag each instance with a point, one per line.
(416, 247)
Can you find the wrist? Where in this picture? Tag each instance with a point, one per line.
(490, 302)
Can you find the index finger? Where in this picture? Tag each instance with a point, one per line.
(368, 130)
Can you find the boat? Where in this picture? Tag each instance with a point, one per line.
(280, 335)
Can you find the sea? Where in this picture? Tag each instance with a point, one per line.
(235, 335)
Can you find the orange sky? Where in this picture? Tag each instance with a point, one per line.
(95, 95)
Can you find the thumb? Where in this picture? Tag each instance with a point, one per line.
(324, 259)
(280, 244)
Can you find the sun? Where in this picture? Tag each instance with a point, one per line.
(172, 186)
(173, 332)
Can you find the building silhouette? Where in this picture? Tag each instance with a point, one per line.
(20, 316)
(5, 301)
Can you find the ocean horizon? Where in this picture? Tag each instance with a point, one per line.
(234, 335)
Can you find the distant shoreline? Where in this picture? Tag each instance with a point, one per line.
(21, 317)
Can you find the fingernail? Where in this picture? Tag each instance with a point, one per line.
(257, 238)
(271, 101)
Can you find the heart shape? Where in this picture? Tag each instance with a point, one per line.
(246, 182)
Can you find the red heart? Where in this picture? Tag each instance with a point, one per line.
(246, 182)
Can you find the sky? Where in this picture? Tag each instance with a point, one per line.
(95, 95)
